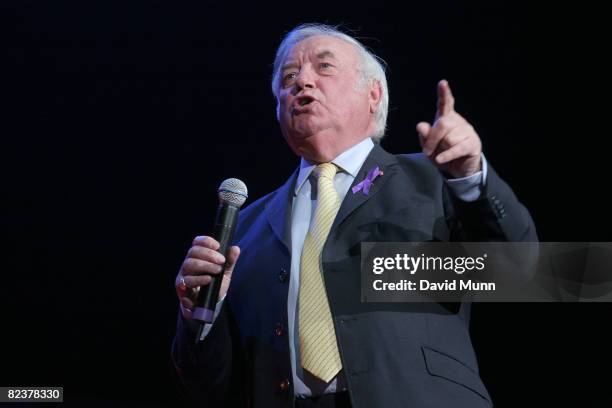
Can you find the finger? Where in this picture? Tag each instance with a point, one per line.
(436, 139)
(206, 241)
(193, 266)
(232, 258)
(454, 136)
(206, 254)
(463, 149)
(423, 129)
(464, 135)
(446, 101)
(431, 143)
(187, 303)
(193, 281)
(188, 287)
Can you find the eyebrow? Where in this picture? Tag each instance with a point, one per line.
(289, 65)
(325, 54)
(321, 55)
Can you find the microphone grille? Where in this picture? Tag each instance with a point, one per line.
(233, 191)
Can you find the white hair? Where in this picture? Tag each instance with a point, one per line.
(371, 68)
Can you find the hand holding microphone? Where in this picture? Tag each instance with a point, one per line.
(201, 263)
(206, 272)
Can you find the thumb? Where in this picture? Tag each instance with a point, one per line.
(232, 258)
(423, 129)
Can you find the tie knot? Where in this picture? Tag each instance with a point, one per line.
(326, 170)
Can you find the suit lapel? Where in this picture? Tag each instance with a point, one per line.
(278, 211)
(377, 157)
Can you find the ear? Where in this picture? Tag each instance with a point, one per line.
(374, 96)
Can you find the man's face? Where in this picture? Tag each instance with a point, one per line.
(324, 106)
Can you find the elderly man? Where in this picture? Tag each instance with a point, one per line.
(289, 328)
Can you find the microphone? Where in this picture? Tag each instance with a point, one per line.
(232, 194)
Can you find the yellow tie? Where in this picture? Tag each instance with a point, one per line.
(318, 346)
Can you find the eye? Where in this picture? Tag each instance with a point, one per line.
(325, 65)
(289, 77)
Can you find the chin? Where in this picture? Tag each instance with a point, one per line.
(310, 141)
(314, 148)
(305, 128)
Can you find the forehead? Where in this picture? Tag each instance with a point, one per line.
(317, 46)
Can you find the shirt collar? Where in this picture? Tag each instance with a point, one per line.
(349, 161)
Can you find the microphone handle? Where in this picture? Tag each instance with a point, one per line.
(223, 231)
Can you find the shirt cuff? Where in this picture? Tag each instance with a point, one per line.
(469, 188)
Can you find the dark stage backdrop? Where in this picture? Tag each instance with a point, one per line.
(120, 119)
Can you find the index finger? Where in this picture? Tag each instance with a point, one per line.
(446, 101)
(206, 241)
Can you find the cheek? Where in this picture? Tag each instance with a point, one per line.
(282, 112)
(282, 103)
(352, 106)
(285, 97)
(347, 99)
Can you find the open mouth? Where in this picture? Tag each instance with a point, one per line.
(304, 100)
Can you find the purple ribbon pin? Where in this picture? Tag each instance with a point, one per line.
(366, 184)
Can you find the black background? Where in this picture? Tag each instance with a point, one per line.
(121, 119)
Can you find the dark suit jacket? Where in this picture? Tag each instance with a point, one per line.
(413, 355)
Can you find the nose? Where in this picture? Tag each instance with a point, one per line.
(305, 79)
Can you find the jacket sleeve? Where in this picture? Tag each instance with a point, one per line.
(210, 372)
(497, 215)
